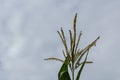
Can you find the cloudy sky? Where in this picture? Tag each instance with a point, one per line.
(28, 35)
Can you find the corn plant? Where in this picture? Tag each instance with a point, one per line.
(75, 58)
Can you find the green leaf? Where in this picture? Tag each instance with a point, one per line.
(63, 73)
(81, 68)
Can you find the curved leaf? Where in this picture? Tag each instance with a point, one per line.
(63, 73)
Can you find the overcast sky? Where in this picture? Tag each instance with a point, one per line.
(28, 35)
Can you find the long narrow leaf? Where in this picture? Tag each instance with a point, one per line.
(81, 68)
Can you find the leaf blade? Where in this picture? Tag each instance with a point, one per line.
(63, 73)
(79, 73)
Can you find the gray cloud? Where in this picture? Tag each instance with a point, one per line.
(28, 35)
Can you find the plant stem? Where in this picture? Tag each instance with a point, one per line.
(73, 74)
(73, 70)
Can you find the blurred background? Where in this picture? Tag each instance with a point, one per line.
(28, 34)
